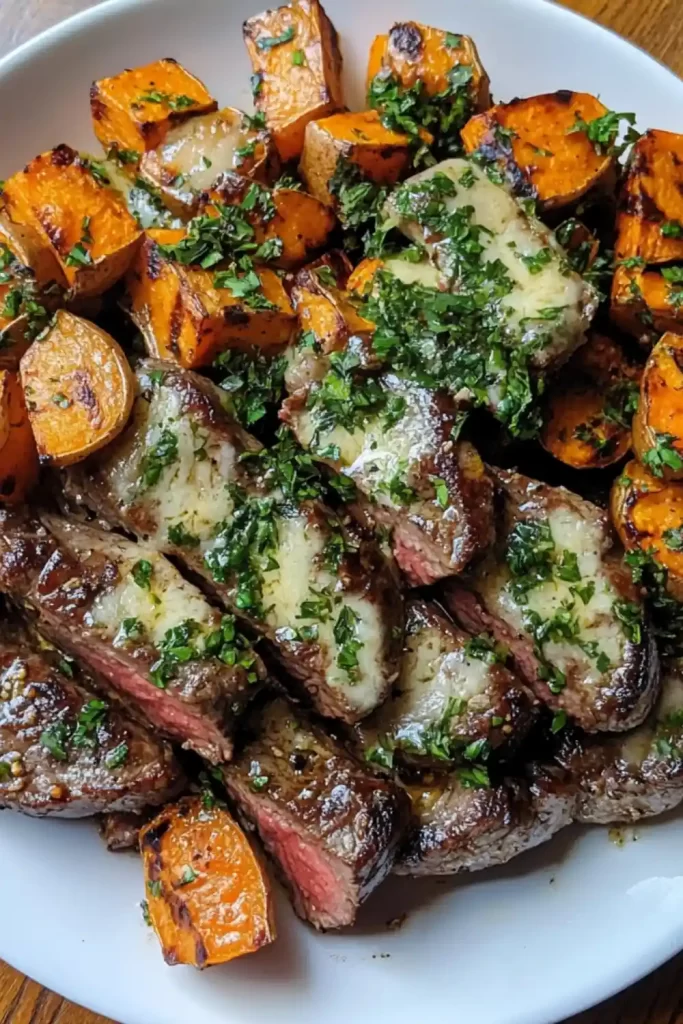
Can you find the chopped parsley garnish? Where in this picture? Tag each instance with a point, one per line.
(344, 397)
(298, 58)
(673, 538)
(484, 647)
(116, 757)
(662, 455)
(189, 875)
(268, 42)
(131, 629)
(163, 453)
(254, 382)
(259, 782)
(672, 229)
(630, 616)
(286, 466)
(359, 200)
(665, 612)
(346, 637)
(142, 574)
(78, 256)
(154, 889)
(538, 261)
(530, 557)
(180, 102)
(55, 739)
(440, 491)
(559, 721)
(90, 718)
(603, 131)
(179, 535)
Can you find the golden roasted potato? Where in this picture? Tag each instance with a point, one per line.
(132, 112)
(418, 53)
(79, 389)
(540, 147)
(647, 512)
(294, 51)
(18, 456)
(380, 154)
(194, 155)
(658, 424)
(85, 224)
(208, 897)
(589, 406)
(189, 315)
(301, 222)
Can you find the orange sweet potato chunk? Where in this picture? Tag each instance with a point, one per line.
(418, 53)
(134, 110)
(644, 303)
(658, 424)
(79, 389)
(209, 898)
(533, 142)
(294, 51)
(185, 318)
(362, 276)
(85, 223)
(381, 155)
(328, 311)
(18, 456)
(650, 221)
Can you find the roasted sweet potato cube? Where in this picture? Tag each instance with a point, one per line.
(538, 149)
(297, 65)
(328, 311)
(589, 406)
(658, 424)
(18, 456)
(646, 303)
(650, 222)
(194, 155)
(363, 275)
(186, 318)
(300, 221)
(133, 111)
(380, 154)
(418, 53)
(85, 223)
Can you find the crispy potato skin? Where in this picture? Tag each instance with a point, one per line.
(289, 94)
(209, 898)
(302, 222)
(18, 456)
(544, 159)
(185, 319)
(578, 397)
(652, 197)
(178, 164)
(415, 52)
(123, 120)
(381, 155)
(79, 389)
(660, 410)
(56, 194)
(643, 508)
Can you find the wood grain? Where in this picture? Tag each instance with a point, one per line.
(656, 26)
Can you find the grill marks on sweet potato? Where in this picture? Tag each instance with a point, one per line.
(658, 425)
(18, 457)
(533, 143)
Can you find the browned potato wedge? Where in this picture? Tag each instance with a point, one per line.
(648, 514)
(186, 318)
(132, 112)
(18, 457)
(589, 406)
(194, 154)
(302, 223)
(658, 424)
(208, 896)
(380, 154)
(535, 143)
(294, 51)
(79, 389)
(85, 223)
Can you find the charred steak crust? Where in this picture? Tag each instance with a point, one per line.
(363, 577)
(61, 578)
(570, 677)
(65, 753)
(331, 826)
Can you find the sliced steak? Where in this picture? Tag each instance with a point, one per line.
(64, 752)
(453, 702)
(330, 825)
(638, 775)
(121, 830)
(131, 618)
(325, 599)
(556, 592)
(432, 492)
(459, 828)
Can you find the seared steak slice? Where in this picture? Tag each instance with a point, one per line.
(464, 829)
(128, 614)
(121, 830)
(432, 492)
(64, 752)
(330, 825)
(325, 599)
(453, 702)
(638, 775)
(556, 593)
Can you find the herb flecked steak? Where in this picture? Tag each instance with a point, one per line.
(248, 521)
(556, 593)
(141, 629)
(63, 751)
(331, 826)
(453, 702)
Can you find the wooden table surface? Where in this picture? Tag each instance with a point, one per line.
(657, 26)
